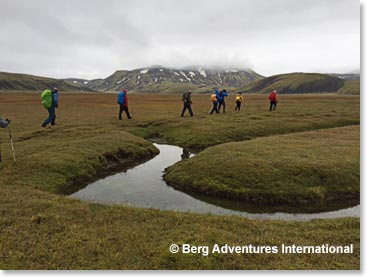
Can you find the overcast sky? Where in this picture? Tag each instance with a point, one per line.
(92, 39)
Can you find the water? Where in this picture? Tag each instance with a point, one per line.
(143, 186)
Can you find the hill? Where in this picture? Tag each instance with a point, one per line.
(297, 83)
(22, 82)
(162, 79)
(348, 76)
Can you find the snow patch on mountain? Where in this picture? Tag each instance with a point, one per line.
(202, 72)
(183, 73)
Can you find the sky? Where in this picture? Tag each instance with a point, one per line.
(94, 38)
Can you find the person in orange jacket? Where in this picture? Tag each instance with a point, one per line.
(273, 97)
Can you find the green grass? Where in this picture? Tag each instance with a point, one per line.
(310, 169)
(350, 87)
(294, 114)
(42, 229)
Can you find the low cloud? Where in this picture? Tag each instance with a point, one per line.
(92, 39)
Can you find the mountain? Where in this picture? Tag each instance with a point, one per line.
(162, 79)
(21, 82)
(348, 76)
(295, 83)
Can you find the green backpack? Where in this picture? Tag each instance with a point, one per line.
(46, 98)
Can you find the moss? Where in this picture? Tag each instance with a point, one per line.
(300, 169)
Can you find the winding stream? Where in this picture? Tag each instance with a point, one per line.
(143, 186)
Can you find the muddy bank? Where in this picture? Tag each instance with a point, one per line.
(109, 164)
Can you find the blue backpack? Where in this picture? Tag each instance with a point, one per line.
(121, 98)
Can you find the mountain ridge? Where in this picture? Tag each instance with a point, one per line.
(159, 78)
(299, 83)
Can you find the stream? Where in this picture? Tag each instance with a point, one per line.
(143, 186)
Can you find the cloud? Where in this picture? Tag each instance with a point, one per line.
(92, 39)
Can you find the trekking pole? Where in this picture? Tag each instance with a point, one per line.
(12, 145)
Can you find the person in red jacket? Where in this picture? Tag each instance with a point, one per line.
(123, 101)
(273, 97)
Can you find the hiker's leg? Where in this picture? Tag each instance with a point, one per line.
(120, 112)
(53, 121)
(224, 106)
(219, 106)
(127, 112)
(183, 110)
(50, 116)
(274, 105)
(213, 109)
(190, 110)
(271, 106)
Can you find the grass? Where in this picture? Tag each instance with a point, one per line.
(43, 229)
(310, 169)
(295, 114)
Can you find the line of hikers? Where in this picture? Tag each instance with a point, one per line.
(218, 101)
(50, 101)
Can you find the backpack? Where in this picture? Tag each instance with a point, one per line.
(46, 98)
(121, 98)
(238, 98)
(213, 97)
(185, 97)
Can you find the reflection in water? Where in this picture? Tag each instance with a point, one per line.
(143, 186)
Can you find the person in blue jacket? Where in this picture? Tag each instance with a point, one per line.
(52, 110)
(122, 100)
(221, 101)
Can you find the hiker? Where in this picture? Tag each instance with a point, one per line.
(123, 101)
(50, 100)
(238, 99)
(214, 100)
(273, 97)
(221, 100)
(3, 124)
(186, 99)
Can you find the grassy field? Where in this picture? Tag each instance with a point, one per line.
(43, 229)
(312, 170)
